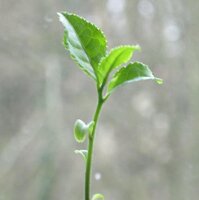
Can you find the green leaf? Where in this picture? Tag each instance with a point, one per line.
(115, 58)
(98, 197)
(80, 131)
(83, 153)
(133, 72)
(90, 127)
(85, 42)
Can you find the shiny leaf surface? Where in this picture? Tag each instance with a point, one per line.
(133, 72)
(85, 42)
(114, 59)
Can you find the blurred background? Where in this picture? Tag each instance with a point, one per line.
(147, 144)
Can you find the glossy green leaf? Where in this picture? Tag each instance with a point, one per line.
(85, 42)
(115, 58)
(80, 131)
(98, 197)
(83, 153)
(133, 72)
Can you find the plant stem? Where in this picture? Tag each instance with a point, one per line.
(90, 146)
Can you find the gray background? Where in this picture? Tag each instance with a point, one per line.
(147, 142)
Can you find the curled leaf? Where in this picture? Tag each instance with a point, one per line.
(80, 131)
(83, 153)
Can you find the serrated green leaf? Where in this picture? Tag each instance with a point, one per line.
(115, 58)
(133, 72)
(98, 197)
(83, 153)
(80, 131)
(85, 42)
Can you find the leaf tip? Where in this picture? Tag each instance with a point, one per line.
(61, 17)
(159, 81)
(60, 14)
(137, 47)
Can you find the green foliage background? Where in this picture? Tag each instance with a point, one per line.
(151, 155)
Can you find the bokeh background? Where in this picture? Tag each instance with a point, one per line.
(147, 144)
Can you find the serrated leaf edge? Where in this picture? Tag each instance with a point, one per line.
(137, 47)
(61, 19)
(132, 47)
(157, 80)
(73, 14)
(61, 14)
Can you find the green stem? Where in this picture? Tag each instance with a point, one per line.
(90, 146)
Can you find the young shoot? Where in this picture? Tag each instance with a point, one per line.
(87, 45)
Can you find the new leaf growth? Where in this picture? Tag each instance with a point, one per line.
(87, 45)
